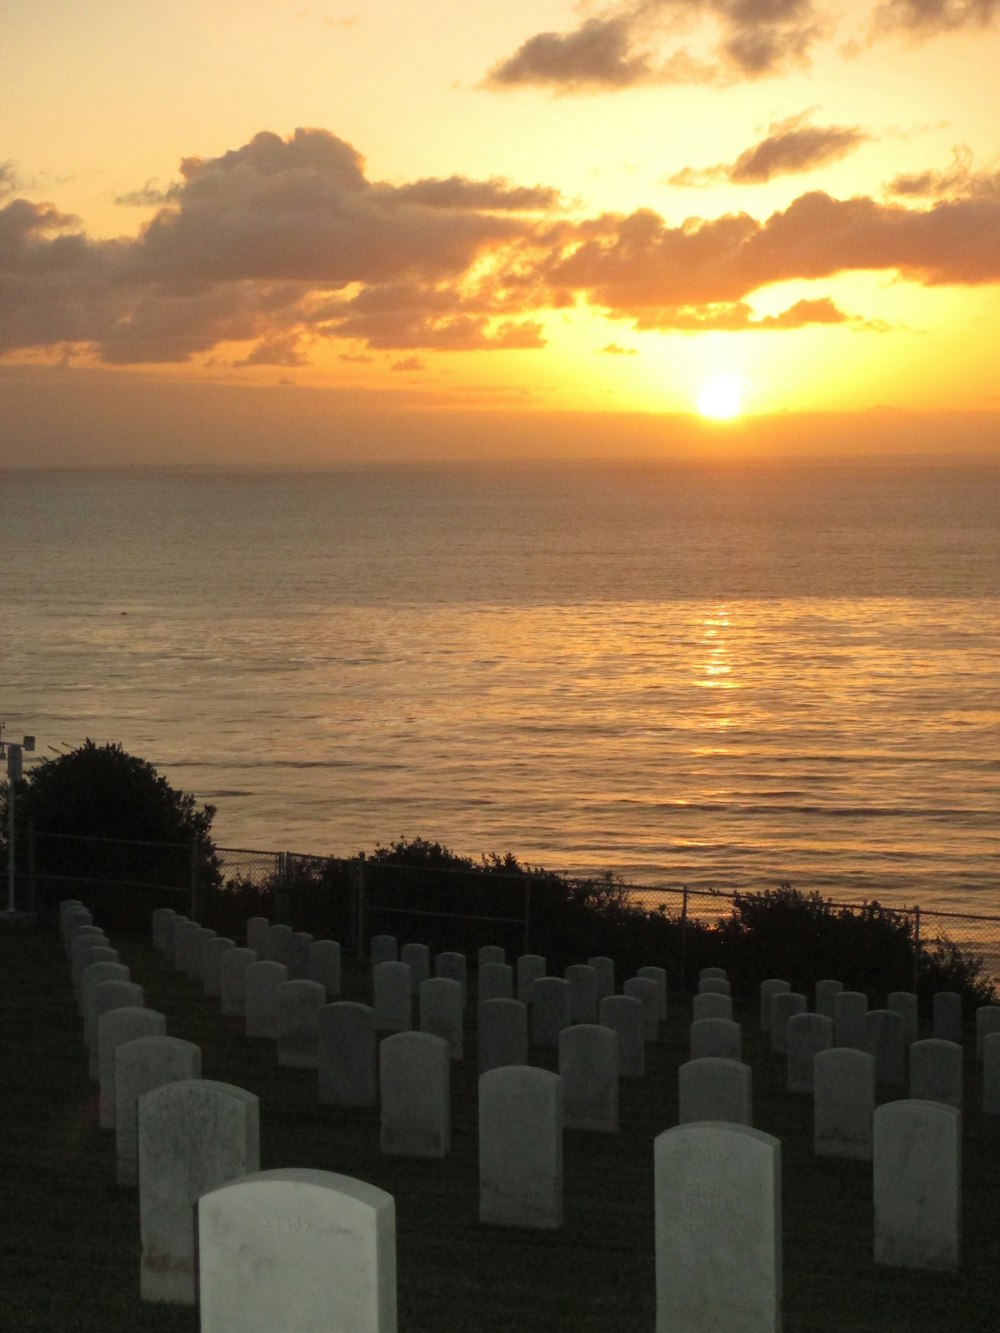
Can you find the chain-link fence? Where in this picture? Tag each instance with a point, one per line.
(449, 907)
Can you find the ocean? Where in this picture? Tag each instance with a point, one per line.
(721, 676)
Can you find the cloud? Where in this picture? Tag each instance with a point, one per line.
(596, 55)
(957, 180)
(612, 349)
(734, 40)
(754, 38)
(285, 243)
(9, 183)
(927, 17)
(409, 363)
(789, 148)
(149, 195)
(488, 196)
(738, 317)
(629, 265)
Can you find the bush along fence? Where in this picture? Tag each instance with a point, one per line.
(420, 890)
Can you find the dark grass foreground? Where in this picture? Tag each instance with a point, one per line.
(70, 1235)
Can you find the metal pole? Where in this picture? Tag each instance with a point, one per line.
(684, 918)
(194, 882)
(527, 915)
(32, 882)
(359, 905)
(916, 948)
(13, 776)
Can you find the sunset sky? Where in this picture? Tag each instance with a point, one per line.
(271, 232)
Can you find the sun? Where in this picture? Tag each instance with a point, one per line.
(721, 397)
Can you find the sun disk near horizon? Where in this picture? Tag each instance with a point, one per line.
(721, 397)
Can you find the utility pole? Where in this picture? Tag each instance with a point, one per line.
(14, 751)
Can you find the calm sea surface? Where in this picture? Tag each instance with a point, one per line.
(721, 677)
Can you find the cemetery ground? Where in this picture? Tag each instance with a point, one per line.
(70, 1238)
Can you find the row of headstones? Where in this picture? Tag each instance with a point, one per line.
(177, 1135)
(842, 1019)
(195, 1135)
(895, 1238)
(713, 1085)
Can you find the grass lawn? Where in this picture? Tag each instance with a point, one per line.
(70, 1238)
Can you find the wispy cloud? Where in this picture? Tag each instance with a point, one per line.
(635, 42)
(790, 147)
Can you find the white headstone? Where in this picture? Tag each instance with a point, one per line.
(211, 959)
(783, 1006)
(918, 1193)
(550, 1010)
(299, 944)
(711, 1004)
(415, 1094)
(113, 1028)
(441, 1012)
(807, 1034)
(503, 1034)
(718, 1037)
(768, 989)
(162, 931)
(297, 1250)
(233, 981)
(140, 1066)
(718, 1229)
(490, 953)
(451, 965)
(530, 966)
(392, 988)
(904, 1003)
(658, 975)
(347, 1054)
(713, 1088)
(495, 981)
(187, 946)
(521, 1147)
(418, 958)
(708, 973)
(278, 938)
(843, 1103)
(588, 1067)
(987, 1022)
(94, 974)
(297, 1028)
(936, 1071)
(645, 991)
(714, 986)
(101, 1000)
(826, 990)
(97, 952)
(383, 949)
(325, 966)
(194, 1135)
(261, 982)
(605, 969)
(849, 1009)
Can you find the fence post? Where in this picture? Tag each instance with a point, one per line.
(193, 883)
(527, 916)
(359, 905)
(916, 948)
(32, 882)
(684, 919)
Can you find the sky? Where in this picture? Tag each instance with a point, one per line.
(272, 233)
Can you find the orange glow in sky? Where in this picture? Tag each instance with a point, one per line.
(432, 214)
